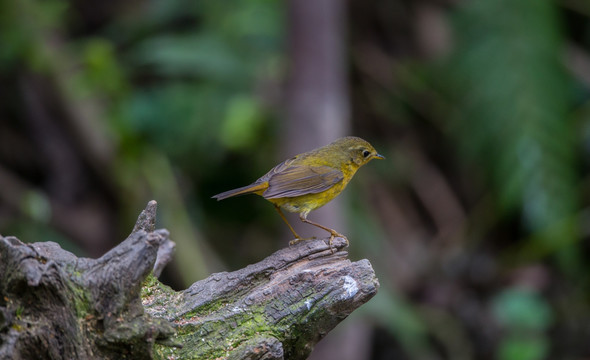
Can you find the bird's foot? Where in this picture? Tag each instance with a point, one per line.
(298, 240)
(334, 234)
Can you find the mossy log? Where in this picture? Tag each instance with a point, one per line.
(54, 305)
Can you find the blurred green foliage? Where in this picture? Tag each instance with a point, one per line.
(486, 141)
(525, 318)
(513, 116)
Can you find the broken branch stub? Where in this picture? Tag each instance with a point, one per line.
(55, 305)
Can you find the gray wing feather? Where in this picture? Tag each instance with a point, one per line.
(291, 181)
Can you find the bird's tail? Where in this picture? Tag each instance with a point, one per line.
(250, 189)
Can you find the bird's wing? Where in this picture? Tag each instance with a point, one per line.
(286, 180)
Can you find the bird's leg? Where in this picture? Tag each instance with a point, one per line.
(333, 233)
(297, 237)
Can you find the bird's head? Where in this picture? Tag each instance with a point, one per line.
(357, 150)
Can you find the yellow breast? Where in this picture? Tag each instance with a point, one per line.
(306, 203)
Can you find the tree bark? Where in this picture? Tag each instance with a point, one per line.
(54, 305)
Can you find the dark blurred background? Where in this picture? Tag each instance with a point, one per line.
(477, 224)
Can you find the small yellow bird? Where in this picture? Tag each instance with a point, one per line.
(310, 180)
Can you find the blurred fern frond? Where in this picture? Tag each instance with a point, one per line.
(512, 119)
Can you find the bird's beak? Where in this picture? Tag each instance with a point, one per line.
(379, 156)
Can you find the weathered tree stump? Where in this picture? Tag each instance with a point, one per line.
(54, 305)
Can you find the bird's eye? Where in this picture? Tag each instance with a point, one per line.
(366, 153)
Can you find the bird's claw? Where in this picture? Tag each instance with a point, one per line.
(298, 240)
(332, 236)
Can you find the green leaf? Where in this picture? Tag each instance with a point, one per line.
(242, 123)
(203, 55)
(522, 310)
(517, 348)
